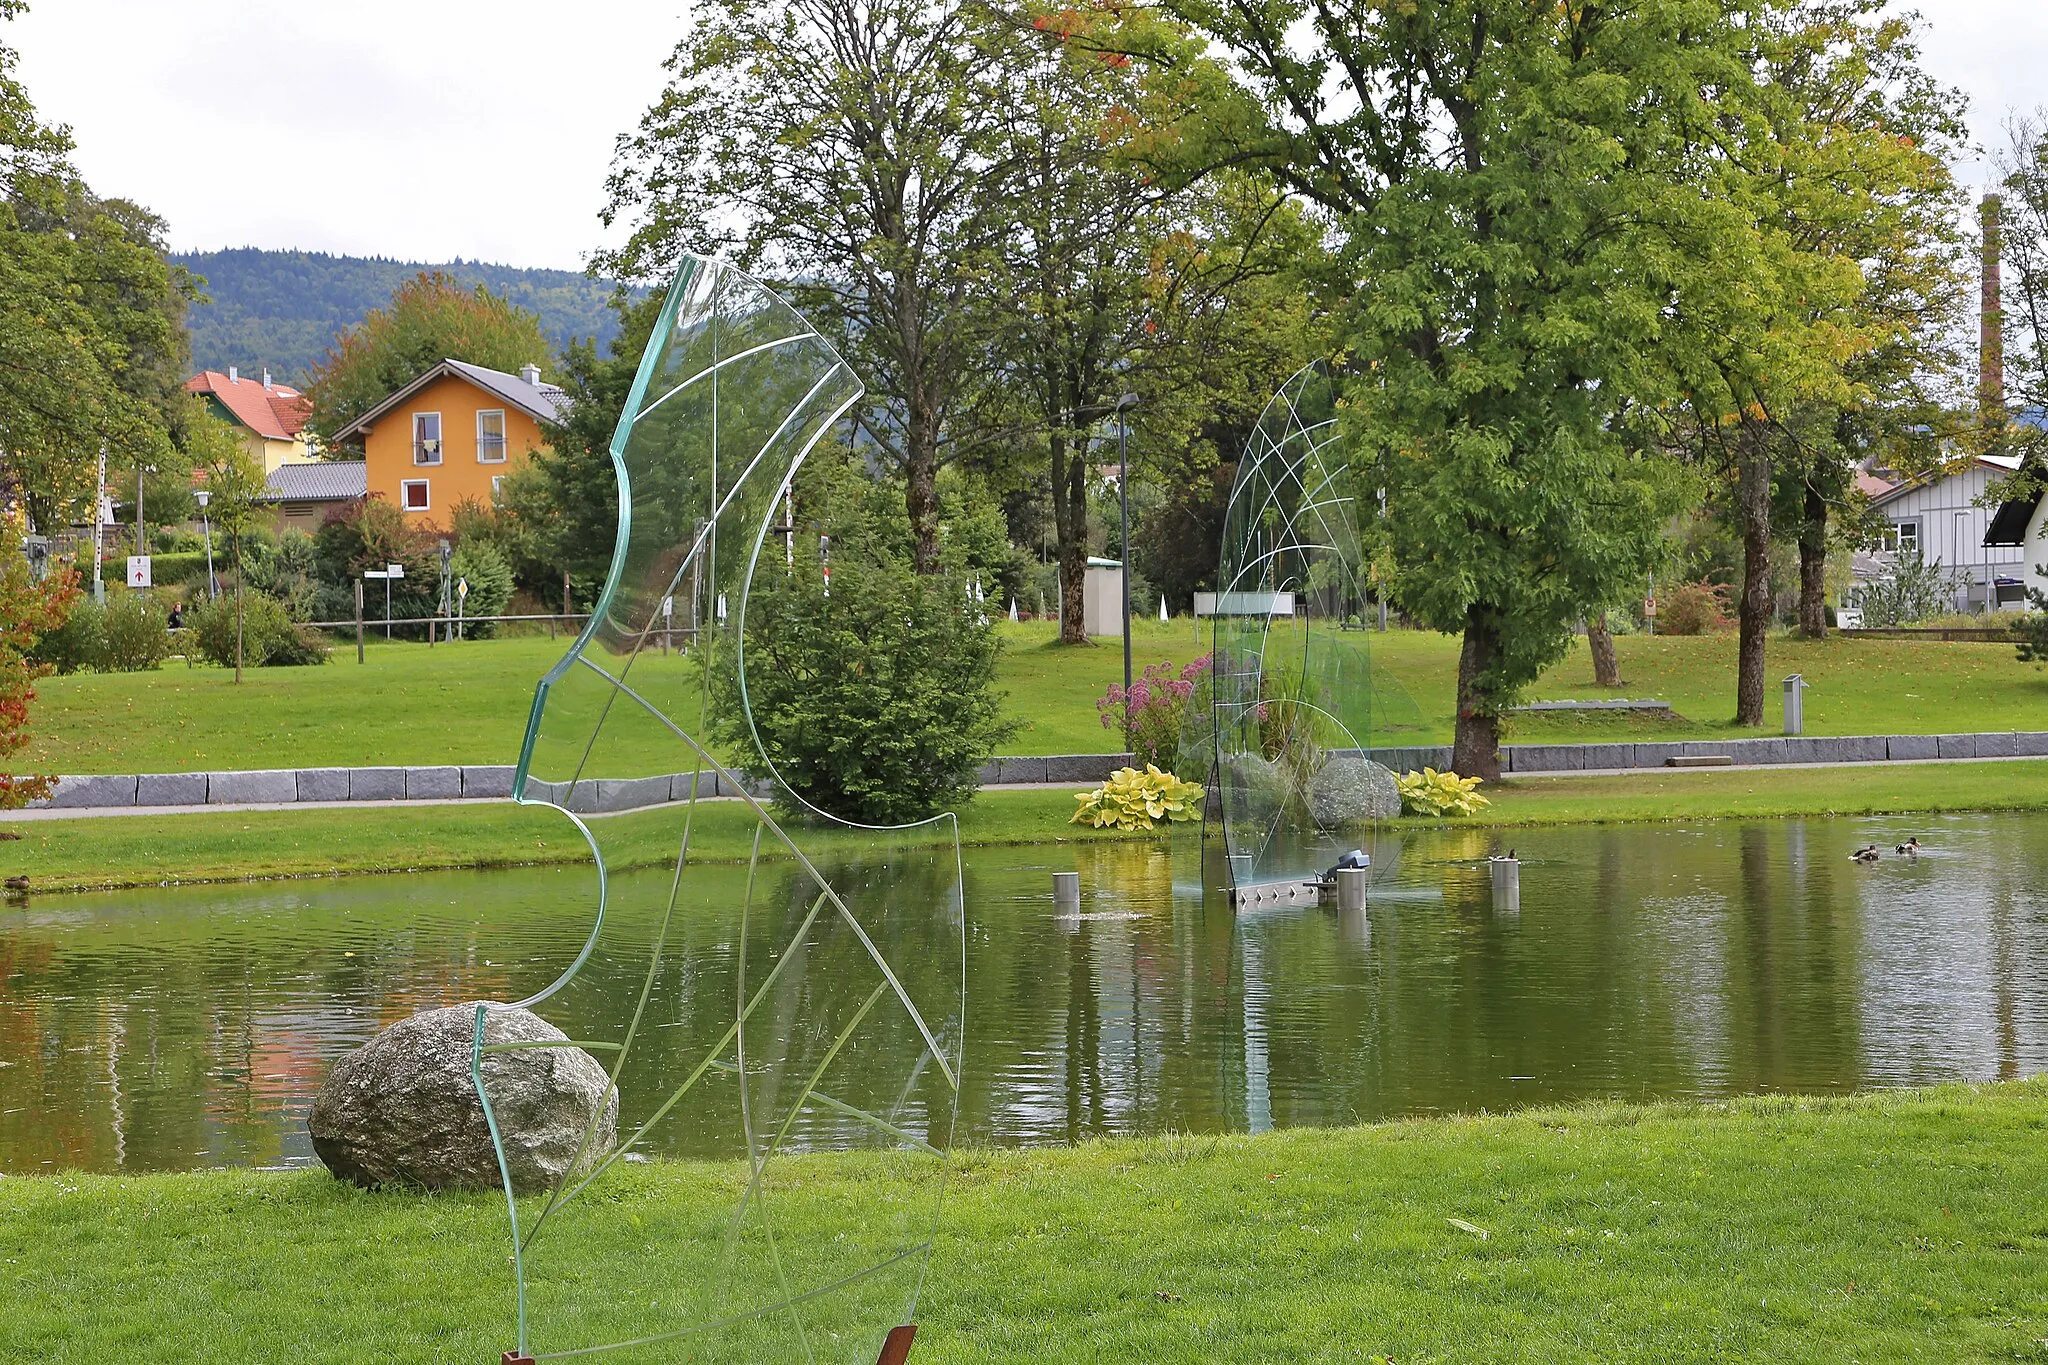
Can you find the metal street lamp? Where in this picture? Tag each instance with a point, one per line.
(202, 497)
(1123, 488)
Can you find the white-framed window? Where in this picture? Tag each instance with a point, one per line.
(1904, 537)
(497, 489)
(490, 436)
(426, 438)
(412, 495)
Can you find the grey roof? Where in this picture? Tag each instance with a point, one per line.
(542, 402)
(319, 481)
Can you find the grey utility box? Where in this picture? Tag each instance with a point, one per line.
(1795, 708)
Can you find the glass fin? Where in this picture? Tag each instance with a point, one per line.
(1295, 696)
(831, 1020)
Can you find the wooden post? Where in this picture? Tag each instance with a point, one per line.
(359, 620)
(896, 1349)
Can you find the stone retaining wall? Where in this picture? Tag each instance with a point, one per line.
(286, 786)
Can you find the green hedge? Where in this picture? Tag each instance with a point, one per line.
(167, 571)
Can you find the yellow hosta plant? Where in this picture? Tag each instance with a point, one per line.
(1139, 800)
(1430, 792)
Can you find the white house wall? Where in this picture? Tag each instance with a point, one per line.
(1952, 526)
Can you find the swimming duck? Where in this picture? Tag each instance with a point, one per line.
(1911, 848)
(1867, 854)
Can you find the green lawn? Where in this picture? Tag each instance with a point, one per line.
(146, 850)
(468, 703)
(1910, 1226)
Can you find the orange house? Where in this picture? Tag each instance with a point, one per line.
(453, 433)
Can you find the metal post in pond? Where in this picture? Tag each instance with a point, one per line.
(1507, 882)
(1795, 705)
(1066, 893)
(1351, 887)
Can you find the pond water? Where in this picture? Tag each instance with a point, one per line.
(190, 1027)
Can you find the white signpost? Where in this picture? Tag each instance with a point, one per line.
(138, 571)
(387, 573)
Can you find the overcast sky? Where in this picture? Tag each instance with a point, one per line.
(435, 129)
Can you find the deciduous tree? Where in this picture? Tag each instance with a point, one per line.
(430, 318)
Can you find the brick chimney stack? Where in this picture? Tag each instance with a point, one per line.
(1991, 321)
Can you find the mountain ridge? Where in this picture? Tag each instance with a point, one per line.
(282, 309)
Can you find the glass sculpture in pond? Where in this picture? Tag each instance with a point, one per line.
(832, 1020)
(1293, 689)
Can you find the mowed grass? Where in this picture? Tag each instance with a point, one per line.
(149, 850)
(468, 703)
(1909, 1226)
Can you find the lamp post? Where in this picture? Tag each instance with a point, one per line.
(1123, 488)
(202, 497)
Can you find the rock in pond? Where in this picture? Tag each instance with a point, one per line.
(401, 1109)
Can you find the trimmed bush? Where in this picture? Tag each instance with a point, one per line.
(875, 703)
(270, 638)
(79, 643)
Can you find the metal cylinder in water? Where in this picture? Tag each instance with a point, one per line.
(1351, 884)
(1066, 893)
(1507, 883)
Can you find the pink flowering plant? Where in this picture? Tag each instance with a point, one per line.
(1151, 715)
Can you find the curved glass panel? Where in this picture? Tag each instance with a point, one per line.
(1294, 692)
(832, 1020)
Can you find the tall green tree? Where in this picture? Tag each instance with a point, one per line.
(1514, 186)
(846, 149)
(1118, 280)
(1829, 324)
(430, 318)
(92, 346)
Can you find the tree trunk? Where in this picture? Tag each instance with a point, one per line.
(1813, 565)
(1070, 524)
(1753, 612)
(920, 485)
(1606, 668)
(1476, 750)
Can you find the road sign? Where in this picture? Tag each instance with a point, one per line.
(462, 588)
(138, 571)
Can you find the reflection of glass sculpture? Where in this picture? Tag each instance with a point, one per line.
(1293, 689)
(832, 1020)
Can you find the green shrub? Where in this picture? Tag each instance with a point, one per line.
(79, 643)
(1138, 800)
(1432, 793)
(126, 635)
(135, 636)
(1914, 590)
(489, 575)
(1152, 717)
(270, 638)
(1693, 609)
(875, 703)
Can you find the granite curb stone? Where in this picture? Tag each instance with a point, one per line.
(92, 792)
(376, 784)
(323, 784)
(484, 782)
(262, 786)
(1912, 746)
(171, 789)
(2030, 743)
(427, 784)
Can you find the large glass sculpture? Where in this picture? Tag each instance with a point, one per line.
(832, 1018)
(1294, 694)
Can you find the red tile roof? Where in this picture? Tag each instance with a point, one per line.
(276, 413)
